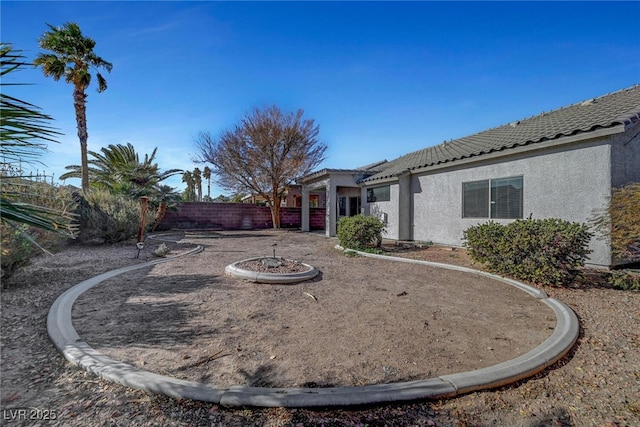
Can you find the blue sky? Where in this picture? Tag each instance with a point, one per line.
(381, 79)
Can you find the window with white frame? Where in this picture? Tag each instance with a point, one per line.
(493, 198)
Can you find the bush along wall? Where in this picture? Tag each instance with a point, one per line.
(360, 232)
(541, 251)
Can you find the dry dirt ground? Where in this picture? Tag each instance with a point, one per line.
(361, 321)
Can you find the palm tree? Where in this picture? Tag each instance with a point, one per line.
(189, 192)
(118, 169)
(206, 174)
(197, 178)
(24, 132)
(164, 198)
(72, 58)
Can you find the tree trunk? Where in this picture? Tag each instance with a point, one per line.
(275, 211)
(80, 106)
(162, 210)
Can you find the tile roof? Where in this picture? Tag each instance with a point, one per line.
(605, 111)
(367, 170)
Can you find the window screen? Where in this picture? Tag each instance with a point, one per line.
(492, 198)
(475, 199)
(506, 198)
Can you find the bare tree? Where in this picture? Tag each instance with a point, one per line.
(264, 154)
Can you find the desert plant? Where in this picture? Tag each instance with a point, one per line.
(543, 251)
(620, 224)
(360, 232)
(33, 215)
(624, 279)
(24, 133)
(108, 218)
(161, 251)
(22, 240)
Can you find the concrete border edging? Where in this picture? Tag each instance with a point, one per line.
(546, 354)
(67, 341)
(528, 289)
(272, 278)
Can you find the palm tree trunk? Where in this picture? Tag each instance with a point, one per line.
(80, 106)
(162, 210)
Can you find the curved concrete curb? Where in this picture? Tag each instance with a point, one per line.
(273, 278)
(66, 339)
(522, 286)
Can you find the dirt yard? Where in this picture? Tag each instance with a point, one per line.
(361, 321)
(364, 321)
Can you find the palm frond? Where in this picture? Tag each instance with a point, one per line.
(37, 216)
(24, 129)
(24, 132)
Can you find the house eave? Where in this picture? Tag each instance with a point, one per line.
(600, 133)
(507, 151)
(325, 173)
(381, 181)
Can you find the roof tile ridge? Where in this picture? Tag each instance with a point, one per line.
(565, 107)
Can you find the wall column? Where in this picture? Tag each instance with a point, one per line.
(305, 212)
(405, 207)
(331, 208)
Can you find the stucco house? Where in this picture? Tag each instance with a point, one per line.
(291, 197)
(559, 164)
(341, 190)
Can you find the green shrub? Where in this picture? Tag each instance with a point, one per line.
(483, 243)
(624, 279)
(109, 218)
(543, 251)
(360, 232)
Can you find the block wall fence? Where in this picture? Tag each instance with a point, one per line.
(236, 216)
